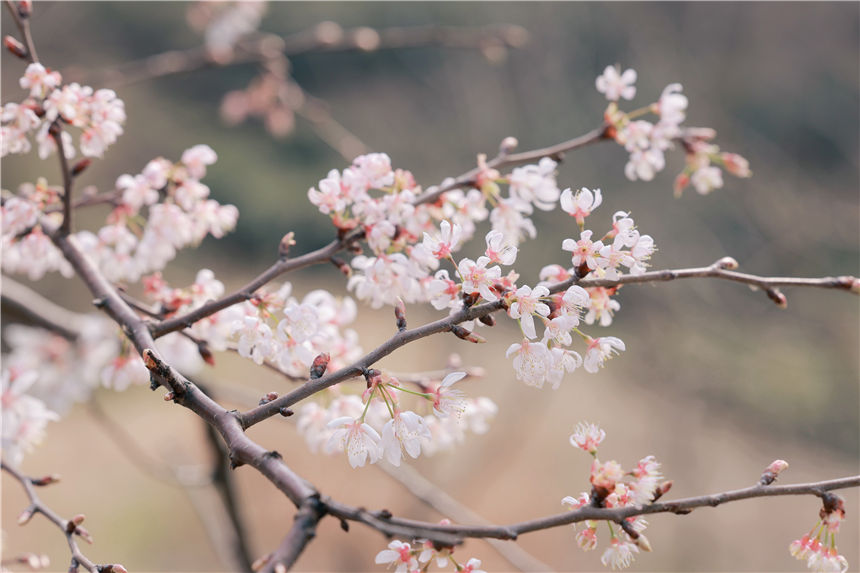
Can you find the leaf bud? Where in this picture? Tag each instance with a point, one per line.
(81, 166)
(400, 314)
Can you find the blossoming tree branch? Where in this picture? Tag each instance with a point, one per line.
(399, 243)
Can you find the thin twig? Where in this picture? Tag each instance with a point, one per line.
(69, 529)
(57, 133)
(300, 534)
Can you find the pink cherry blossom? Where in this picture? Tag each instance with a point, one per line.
(360, 442)
(584, 250)
(400, 554)
(600, 350)
(197, 158)
(477, 278)
(619, 554)
(587, 437)
(527, 304)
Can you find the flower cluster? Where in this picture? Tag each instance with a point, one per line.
(376, 426)
(647, 142)
(612, 487)
(409, 558)
(402, 233)
(547, 359)
(280, 330)
(224, 24)
(98, 113)
(818, 547)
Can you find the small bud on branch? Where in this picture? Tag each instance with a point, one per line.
(467, 335)
(400, 314)
(319, 365)
(15, 47)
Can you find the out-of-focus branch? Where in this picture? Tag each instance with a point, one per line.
(57, 134)
(438, 499)
(325, 37)
(38, 310)
(331, 131)
(70, 528)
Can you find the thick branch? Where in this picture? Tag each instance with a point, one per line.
(69, 529)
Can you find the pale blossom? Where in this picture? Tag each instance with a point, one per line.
(672, 105)
(358, 439)
(706, 179)
(532, 362)
(527, 304)
(582, 204)
(403, 432)
(616, 85)
(446, 243)
(584, 250)
(448, 401)
(536, 184)
(499, 250)
(400, 554)
(39, 80)
(24, 416)
(197, 158)
(587, 437)
(600, 350)
(619, 554)
(477, 278)
(644, 164)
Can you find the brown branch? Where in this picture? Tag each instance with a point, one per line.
(324, 254)
(69, 528)
(23, 25)
(328, 129)
(401, 338)
(57, 133)
(511, 532)
(300, 534)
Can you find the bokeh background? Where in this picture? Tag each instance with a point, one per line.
(716, 382)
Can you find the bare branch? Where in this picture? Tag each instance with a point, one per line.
(70, 528)
(57, 133)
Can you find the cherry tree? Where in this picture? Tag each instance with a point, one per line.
(451, 247)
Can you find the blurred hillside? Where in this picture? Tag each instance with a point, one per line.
(716, 381)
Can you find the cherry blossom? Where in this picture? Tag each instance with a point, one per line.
(582, 204)
(39, 80)
(707, 179)
(619, 554)
(197, 158)
(536, 184)
(499, 250)
(527, 304)
(584, 250)
(403, 432)
(587, 437)
(532, 362)
(600, 350)
(358, 439)
(24, 417)
(446, 243)
(614, 84)
(448, 401)
(477, 278)
(400, 554)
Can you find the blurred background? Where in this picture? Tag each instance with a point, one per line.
(716, 381)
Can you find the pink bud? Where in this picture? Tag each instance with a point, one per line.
(15, 47)
(284, 247)
(319, 365)
(736, 164)
(400, 314)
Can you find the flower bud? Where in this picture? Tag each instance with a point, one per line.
(169, 397)
(736, 164)
(46, 480)
(466, 335)
(776, 296)
(285, 412)
(15, 47)
(25, 8)
(206, 354)
(727, 263)
(25, 516)
(80, 166)
(772, 471)
(643, 543)
(319, 365)
(284, 246)
(400, 314)
(508, 144)
(681, 182)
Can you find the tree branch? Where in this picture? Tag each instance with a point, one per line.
(38, 310)
(69, 528)
(300, 534)
(328, 37)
